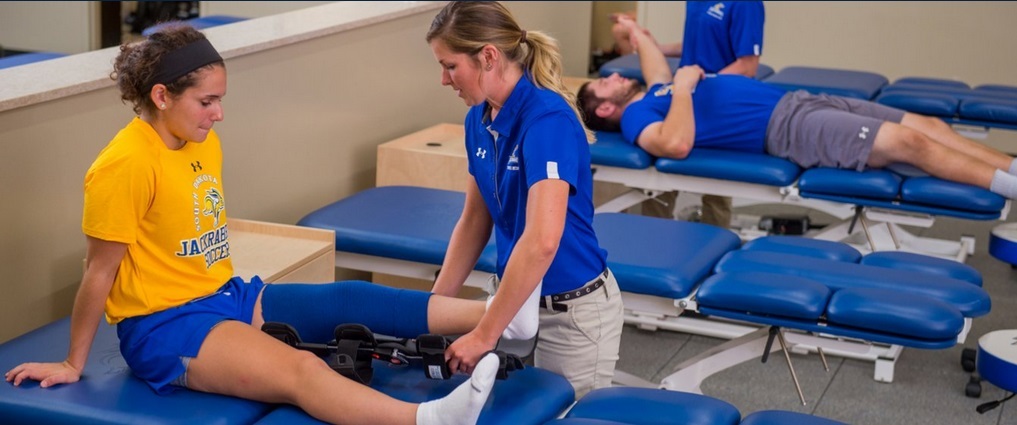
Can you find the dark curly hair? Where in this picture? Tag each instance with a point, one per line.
(135, 66)
(588, 103)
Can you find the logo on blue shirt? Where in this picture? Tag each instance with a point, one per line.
(716, 11)
(513, 161)
(481, 153)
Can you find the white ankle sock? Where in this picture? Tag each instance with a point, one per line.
(524, 325)
(1004, 184)
(462, 406)
(1013, 167)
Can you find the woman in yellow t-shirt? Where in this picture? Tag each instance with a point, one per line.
(158, 265)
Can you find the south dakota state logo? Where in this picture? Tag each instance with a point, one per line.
(212, 244)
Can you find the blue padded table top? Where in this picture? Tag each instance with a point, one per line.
(969, 299)
(883, 188)
(644, 258)
(402, 222)
(733, 165)
(989, 105)
(415, 223)
(649, 406)
(611, 149)
(107, 393)
(838, 82)
(26, 58)
(530, 396)
(628, 66)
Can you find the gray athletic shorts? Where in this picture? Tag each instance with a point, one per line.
(828, 131)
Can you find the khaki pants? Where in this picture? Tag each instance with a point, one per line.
(582, 343)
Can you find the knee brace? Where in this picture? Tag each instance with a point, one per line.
(314, 310)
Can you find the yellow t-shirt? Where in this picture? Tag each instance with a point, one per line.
(168, 207)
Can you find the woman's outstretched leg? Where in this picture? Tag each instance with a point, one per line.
(267, 370)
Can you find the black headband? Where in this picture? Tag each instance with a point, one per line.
(180, 62)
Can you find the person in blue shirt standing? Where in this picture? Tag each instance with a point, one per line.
(528, 153)
(696, 109)
(723, 37)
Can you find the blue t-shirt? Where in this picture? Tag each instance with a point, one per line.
(536, 136)
(718, 33)
(731, 112)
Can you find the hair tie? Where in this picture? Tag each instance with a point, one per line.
(523, 38)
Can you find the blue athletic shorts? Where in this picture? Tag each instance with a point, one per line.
(155, 346)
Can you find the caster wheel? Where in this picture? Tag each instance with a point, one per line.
(968, 359)
(974, 388)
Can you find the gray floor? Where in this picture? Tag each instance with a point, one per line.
(928, 385)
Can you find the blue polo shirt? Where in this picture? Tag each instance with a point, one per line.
(731, 112)
(536, 136)
(719, 32)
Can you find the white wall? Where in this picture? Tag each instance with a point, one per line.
(971, 41)
(254, 9)
(52, 26)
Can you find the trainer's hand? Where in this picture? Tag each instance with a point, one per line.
(465, 352)
(48, 374)
(688, 76)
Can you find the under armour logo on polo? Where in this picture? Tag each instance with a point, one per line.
(196, 165)
(481, 153)
(864, 134)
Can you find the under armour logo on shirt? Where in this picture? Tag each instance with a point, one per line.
(481, 153)
(864, 134)
(196, 165)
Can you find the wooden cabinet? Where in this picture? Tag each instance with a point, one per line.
(282, 253)
(434, 157)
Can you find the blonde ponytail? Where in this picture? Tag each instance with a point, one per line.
(466, 26)
(543, 59)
